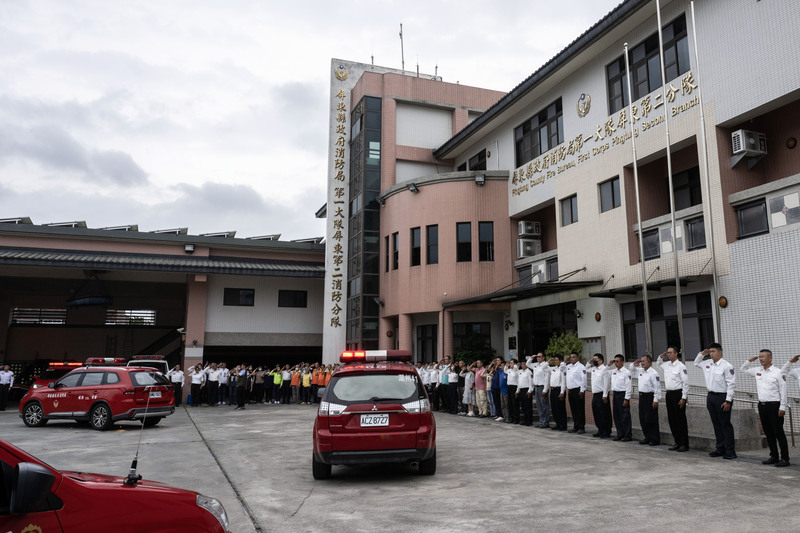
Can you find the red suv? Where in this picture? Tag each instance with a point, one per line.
(101, 396)
(36, 497)
(374, 410)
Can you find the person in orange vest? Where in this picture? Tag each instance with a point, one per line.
(307, 378)
(296, 384)
(315, 381)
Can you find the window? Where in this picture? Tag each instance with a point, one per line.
(241, 297)
(37, 315)
(395, 250)
(433, 244)
(569, 210)
(91, 379)
(652, 246)
(70, 380)
(464, 241)
(416, 246)
(478, 161)
(427, 343)
(752, 219)
(686, 185)
(130, 317)
(696, 232)
(472, 335)
(387, 253)
(538, 134)
(292, 298)
(552, 270)
(645, 65)
(486, 241)
(462, 167)
(609, 195)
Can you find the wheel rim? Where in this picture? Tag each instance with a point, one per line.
(99, 417)
(33, 414)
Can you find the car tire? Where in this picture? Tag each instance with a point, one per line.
(151, 421)
(320, 470)
(100, 417)
(427, 467)
(33, 415)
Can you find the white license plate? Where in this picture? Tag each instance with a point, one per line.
(155, 394)
(368, 421)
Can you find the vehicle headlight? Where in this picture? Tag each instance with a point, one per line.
(331, 409)
(213, 506)
(35, 386)
(419, 406)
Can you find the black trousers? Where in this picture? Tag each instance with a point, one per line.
(723, 429)
(513, 404)
(498, 406)
(4, 388)
(213, 392)
(196, 387)
(578, 409)
(622, 415)
(677, 418)
(773, 428)
(453, 398)
(602, 414)
(240, 396)
(178, 393)
(559, 408)
(444, 397)
(648, 418)
(526, 402)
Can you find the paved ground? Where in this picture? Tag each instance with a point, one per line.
(491, 477)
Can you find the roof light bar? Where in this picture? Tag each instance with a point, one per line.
(370, 356)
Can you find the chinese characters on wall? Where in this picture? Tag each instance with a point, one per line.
(338, 210)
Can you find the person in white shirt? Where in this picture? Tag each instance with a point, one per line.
(789, 370)
(223, 384)
(649, 383)
(621, 388)
(721, 384)
(558, 402)
(525, 393)
(601, 385)
(771, 388)
(198, 380)
(541, 389)
(176, 377)
(512, 381)
(6, 382)
(212, 384)
(676, 381)
(576, 387)
(433, 392)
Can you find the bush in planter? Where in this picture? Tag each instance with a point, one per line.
(563, 344)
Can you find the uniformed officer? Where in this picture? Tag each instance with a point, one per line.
(525, 393)
(576, 385)
(601, 385)
(621, 387)
(557, 394)
(649, 395)
(771, 387)
(676, 381)
(721, 384)
(512, 370)
(541, 388)
(176, 377)
(6, 382)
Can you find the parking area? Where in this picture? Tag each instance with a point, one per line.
(491, 476)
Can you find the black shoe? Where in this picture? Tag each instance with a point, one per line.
(580, 432)
(655, 443)
(674, 448)
(555, 429)
(571, 430)
(782, 462)
(605, 436)
(644, 441)
(617, 438)
(595, 435)
(730, 457)
(769, 461)
(716, 453)
(626, 439)
(683, 449)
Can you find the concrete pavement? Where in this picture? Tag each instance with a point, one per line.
(491, 476)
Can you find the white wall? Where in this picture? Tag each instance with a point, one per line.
(409, 170)
(423, 126)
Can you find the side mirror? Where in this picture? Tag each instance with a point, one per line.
(51, 385)
(29, 487)
(320, 392)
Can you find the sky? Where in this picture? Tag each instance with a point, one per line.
(213, 115)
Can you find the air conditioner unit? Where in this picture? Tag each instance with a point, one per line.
(749, 143)
(528, 228)
(528, 247)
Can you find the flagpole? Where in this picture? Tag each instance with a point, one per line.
(647, 331)
(669, 176)
(710, 224)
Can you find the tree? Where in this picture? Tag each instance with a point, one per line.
(563, 344)
(474, 347)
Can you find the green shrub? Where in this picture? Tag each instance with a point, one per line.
(563, 344)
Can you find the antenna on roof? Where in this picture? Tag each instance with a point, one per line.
(402, 54)
(418, 65)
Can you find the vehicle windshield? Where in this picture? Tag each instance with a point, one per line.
(143, 378)
(375, 388)
(158, 365)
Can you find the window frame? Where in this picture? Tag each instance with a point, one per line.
(395, 250)
(573, 210)
(616, 200)
(478, 161)
(485, 247)
(463, 247)
(741, 208)
(530, 133)
(292, 295)
(432, 248)
(649, 234)
(416, 246)
(690, 243)
(241, 299)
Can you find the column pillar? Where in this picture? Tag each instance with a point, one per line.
(405, 333)
(447, 334)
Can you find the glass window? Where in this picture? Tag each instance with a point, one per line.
(538, 134)
(609, 195)
(686, 185)
(652, 246)
(472, 335)
(433, 244)
(569, 210)
(292, 298)
(91, 379)
(111, 378)
(395, 250)
(416, 246)
(464, 241)
(239, 297)
(462, 167)
(374, 387)
(387, 252)
(148, 377)
(486, 241)
(752, 219)
(478, 161)
(70, 380)
(696, 232)
(552, 270)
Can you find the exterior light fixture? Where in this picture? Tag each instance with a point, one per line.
(480, 180)
(411, 187)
